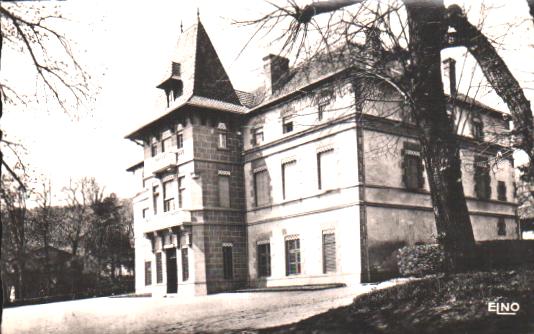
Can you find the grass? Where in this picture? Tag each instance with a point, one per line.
(434, 304)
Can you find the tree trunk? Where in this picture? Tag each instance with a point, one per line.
(438, 140)
(500, 78)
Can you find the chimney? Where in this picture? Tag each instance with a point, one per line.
(450, 73)
(276, 69)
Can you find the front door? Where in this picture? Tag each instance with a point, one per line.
(172, 271)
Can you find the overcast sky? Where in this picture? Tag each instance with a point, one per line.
(126, 46)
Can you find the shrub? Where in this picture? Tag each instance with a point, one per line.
(421, 260)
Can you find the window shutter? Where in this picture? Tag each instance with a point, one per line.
(329, 252)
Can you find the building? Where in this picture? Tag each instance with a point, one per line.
(299, 182)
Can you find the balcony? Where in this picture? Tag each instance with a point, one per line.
(162, 162)
(166, 220)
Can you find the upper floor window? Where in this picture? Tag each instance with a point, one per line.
(257, 136)
(155, 199)
(325, 169)
(168, 196)
(413, 176)
(166, 144)
(261, 187)
(322, 102)
(477, 127)
(501, 191)
(181, 191)
(482, 178)
(224, 189)
(179, 139)
(287, 124)
(145, 212)
(154, 149)
(289, 179)
(223, 138)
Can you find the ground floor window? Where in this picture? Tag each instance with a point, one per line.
(148, 273)
(159, 271)
(185, 264)
(501, 227)
(293, 255)
(329, 252)
(264, 259)
(228, 266)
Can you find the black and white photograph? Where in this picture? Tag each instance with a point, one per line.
(267, 166)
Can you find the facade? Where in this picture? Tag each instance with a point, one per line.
(303, 181)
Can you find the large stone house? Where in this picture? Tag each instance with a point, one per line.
(299, 182)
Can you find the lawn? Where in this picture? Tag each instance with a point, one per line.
(434, 304)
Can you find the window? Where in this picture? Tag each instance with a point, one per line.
(412, 167)
(224, 191)
(264, 259)
(329, 252)
(181, 191)
(179, 140)
(477, 128)
(482, 178)
(166, 144)
(185, 264)
(501, 227)
(228, 266)
(257, 135)
(168, 196)
(145, 212)
(159, 271)
(222, 136)
(261, 188)
(287, 124)
(289, 179)
(155, 199)
(326, 168)
(323, 102)
(148, 273)
(292, 256)
(501, 191)
(153, 149)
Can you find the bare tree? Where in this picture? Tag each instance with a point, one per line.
(410, 63)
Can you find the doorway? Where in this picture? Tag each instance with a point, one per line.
(172, 271)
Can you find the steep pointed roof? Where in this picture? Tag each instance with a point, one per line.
(201, 69)
(204, 79)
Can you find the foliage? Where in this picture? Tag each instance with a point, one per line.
(421, 260)
(450, 304)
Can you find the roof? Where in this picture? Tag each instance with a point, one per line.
(205, 81)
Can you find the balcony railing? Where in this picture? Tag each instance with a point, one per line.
(162, 162)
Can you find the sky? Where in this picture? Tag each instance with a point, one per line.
(126, 47)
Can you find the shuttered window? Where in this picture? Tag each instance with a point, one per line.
(329, 252)
(326, 169)
(148, 273)
(185, 264)
(289, 179)
(482, 178)
(261, 188)
(224, 191)
(413, 177)
(264, 259)
(159, 269)
(293, 256)
(228, 265)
